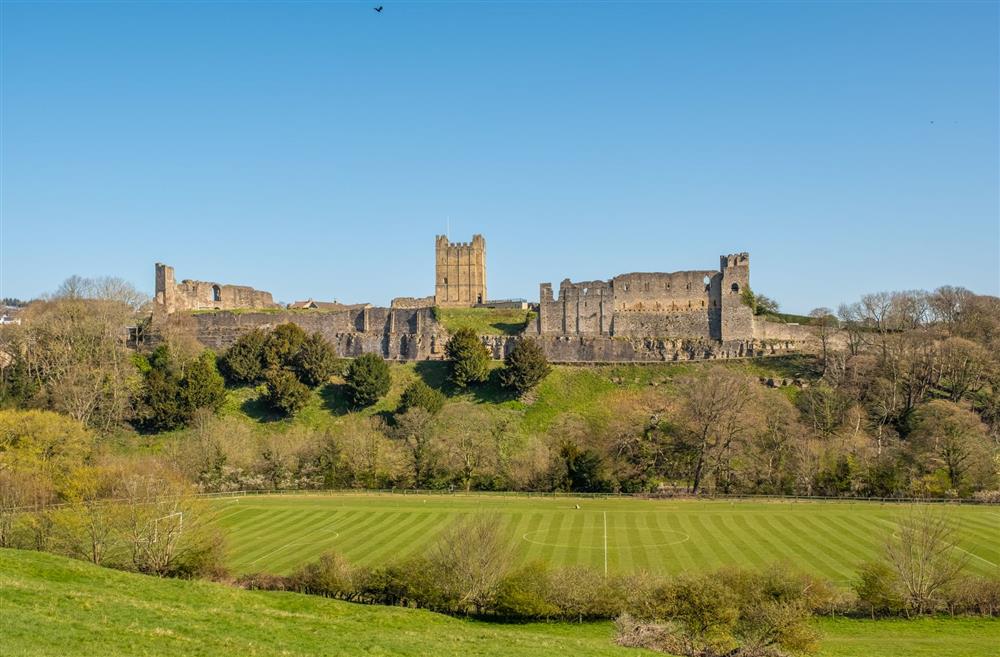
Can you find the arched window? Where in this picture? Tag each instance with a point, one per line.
(735, 287)
(216, 294)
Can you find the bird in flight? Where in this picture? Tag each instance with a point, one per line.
(378, 9)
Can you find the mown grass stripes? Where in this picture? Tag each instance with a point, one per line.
(830, 539)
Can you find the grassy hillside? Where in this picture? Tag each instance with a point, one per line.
(55, 606)
(592, 393)
(52, 606)
(830, 539)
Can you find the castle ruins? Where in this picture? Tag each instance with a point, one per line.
(637, 317)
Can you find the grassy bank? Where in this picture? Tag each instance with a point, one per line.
(52, 606)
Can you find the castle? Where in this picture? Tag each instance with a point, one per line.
(631, 317)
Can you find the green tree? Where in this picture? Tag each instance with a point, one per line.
(524, 367)
(584, 469)
(243, 362)
(420, 395)
(285, 393)
(367, 379)
(161, 403)
(470, 361)
(315, 361)
(283, 345)
(203, 386)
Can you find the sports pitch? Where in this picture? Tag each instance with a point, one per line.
(278, 533)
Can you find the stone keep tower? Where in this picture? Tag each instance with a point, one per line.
(461, 272)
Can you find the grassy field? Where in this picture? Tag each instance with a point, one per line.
(56, 607)
(278, 533)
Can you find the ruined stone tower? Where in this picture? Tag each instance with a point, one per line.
(736, 317)
(461, 272)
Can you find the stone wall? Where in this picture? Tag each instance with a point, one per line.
(396, 334)
(172, 297)
(412, 302)
(604, 349)
(698, 304)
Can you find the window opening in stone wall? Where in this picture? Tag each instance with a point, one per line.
(735, 287)
(216, 294)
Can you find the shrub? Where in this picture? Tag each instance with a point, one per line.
(264, 582)
(285, 393)
(470, 361)
(525, 593)
(171, 392)
(161, 404)
(878, 589)
(243, 362)
(974, 595)
(203, 386)
(315, 361)
(729, 612)
(580, 594)
(330, 575)
(283, 345)
(420, 395)
(368, 379)
(524, 367)
(203, 558)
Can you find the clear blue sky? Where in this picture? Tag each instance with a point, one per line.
(314, 149)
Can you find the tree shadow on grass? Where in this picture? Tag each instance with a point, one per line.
(793, 366)
(491, 391)
(334, 396)
(256, 408)
(434, 373)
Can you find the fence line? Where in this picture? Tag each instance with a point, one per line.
(261, 492)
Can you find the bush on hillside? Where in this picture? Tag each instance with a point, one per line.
(469, 359)
(420, 395)
(285, 393)
(282, 345)
(243, 362)
(315, 361)
(878, 590)
(524, 367)
(203, 386)
(331, 576)
(172, 391)
(367, 379)
(729, 612)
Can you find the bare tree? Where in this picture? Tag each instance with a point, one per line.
(965, 367)
(711, 419)
(157, 511)
(470, 559)
(923, 551)
(824, 323)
